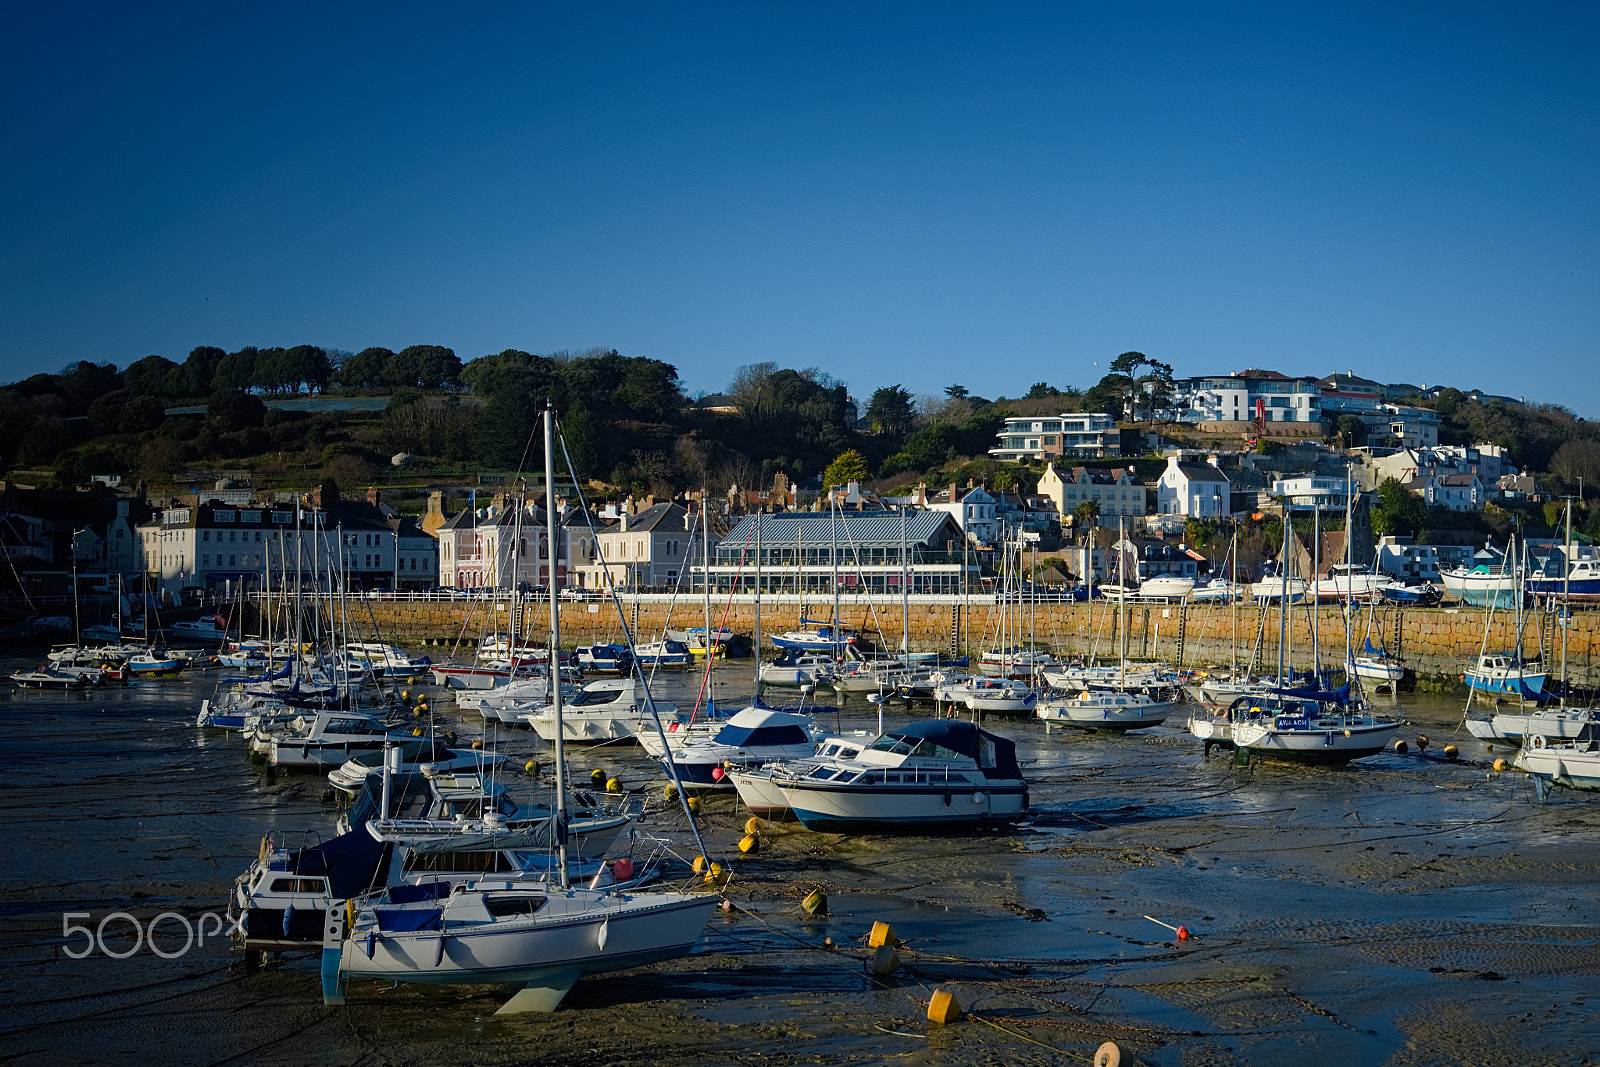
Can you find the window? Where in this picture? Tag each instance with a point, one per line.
(205, 535)
(223, 516)
(249, 516)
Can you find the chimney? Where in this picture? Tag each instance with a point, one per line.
(316, 497)
(373, 495)
(1212, 459)
(622, 520)
(922, 494)
(953, 497)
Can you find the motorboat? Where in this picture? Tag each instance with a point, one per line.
(992, 695)
(796, 667)
(936, 774)
(703, 642)
(1016, 662)
(155, 663)
(1580, 582)
(1506, 674)
(755, 786)
(1105, 710)
(1352, 581)
(211, 629)
(415, 756)
(663, 655)
(1574, 764)
(750, 737)
(1166, 587)
(1272, 588)
(48, 677)
(1481, 586)
(1217, 591)
(1552, 724)
(823, 637)
(326, 739)
(604, 658)
(386, 659)
(602, 711)
(1322, 728)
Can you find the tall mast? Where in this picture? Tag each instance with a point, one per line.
(555, 640)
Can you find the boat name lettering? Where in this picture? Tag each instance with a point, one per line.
(1292, 722)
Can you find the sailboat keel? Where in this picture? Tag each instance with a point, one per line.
(542, 996)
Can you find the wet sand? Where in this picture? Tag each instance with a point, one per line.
(1405, 910)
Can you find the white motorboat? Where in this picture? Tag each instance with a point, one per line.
(1105, 710)
(937, 774)
(386, 659)
(1023, 664)
(1166, 587)
(1272, 588)
(1482, 586)
(984, 694)
(750, 737)
(48, 677)
(1303, 728)
(796, 667)
(325, 739)
(1552, 724)
(602, 711)
(755, 787)
(155, 663)
(212, 629)
(415, 756)
(665, 655)
(1352, 581)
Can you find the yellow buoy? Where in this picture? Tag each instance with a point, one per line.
(694, 803)
(671, 792)
(1422, 742)
(1500, 765)
(1347, 733)
(885, 960)
(882, 934)
(749, 843)
(1451, 752)
(700, 864)
(1400, 745)
(532, 767)
(406, 695)
(1108, 1055)
(417, 732)
(598, 777)
(816, 903)
(943, 1007)
(477, 746)
(613, 785)
(754, 825)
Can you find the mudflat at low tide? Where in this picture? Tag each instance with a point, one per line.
(1405, 910)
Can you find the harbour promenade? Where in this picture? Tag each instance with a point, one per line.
(1437, 643)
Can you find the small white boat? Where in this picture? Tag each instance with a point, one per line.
(602, 711)
(1296, 728)
(1505, 674)
(755, 785)
(1574, 764)
(1272, 588)
(212, 629)
(996, 695)
(415, 756)
(1352, 581)
(1023, 664)
(1166, 587)
(154, 663)
(386, 659)
(1481, 586)
(325, 739)
(1105, 710)
(936, 774)
(1552, 724)
(48, 677)
(753, 736)
(664, 655)
(796, 667)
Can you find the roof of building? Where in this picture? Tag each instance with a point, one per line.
(849, 528)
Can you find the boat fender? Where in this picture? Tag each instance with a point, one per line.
(438, 951)
(947, 799)
(288, 915)
(371, 942)
(978, 797)
(350, 915)
(1538, 740)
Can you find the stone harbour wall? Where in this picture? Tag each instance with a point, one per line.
(1437, 643)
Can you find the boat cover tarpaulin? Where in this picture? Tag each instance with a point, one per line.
(350, 862)
(996, 755)
(1340, 695)
(534, 835)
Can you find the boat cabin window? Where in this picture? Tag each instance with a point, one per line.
(743, 736)
(507, 907)
(913, 746)
(353, 726)
(460, 862)
(297, 885)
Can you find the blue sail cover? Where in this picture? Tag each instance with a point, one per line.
(1339, 696)
(282, 672)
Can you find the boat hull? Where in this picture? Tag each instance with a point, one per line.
(921, 806)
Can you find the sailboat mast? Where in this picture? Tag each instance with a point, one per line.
(555, 641)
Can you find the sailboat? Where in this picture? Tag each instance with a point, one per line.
(500, 929)
(1304, 724)
(1108, 709)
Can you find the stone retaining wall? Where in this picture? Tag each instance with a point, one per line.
(1433, 641)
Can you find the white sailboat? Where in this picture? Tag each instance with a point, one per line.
(500, 930)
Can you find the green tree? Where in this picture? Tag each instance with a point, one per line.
(890, 411)
(956, 392)
(848, 466)
(1398, 512)
(1155, 382)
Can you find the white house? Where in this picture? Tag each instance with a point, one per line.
(973, 509)
(651, 548)
(1325, 493)
(1444, 489)
(1067, 434)
(1194, 490)
(1239, 397)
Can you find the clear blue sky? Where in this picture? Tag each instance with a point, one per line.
(923, 194)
